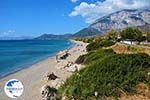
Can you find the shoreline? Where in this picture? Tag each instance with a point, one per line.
(32, 77)
(38, 61)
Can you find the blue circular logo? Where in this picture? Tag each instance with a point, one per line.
(13, 88)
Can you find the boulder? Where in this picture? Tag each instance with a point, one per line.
(51, 76)
(48, 93)
(73, 68)
(56, 83)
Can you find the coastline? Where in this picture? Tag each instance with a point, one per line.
(32, 77)
(35, 62)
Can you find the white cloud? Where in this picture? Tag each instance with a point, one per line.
(92, 11)
(74, 1)
(7, 33)
(11, 31)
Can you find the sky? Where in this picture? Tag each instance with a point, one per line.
(36, 17)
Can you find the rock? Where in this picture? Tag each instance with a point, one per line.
(68, 64)
(56, 83)
(117, 21)
(48, 93)
(148, 73)
(51, 76)
(96, 93)
(61, 82)
(64, 98)
(63, 55)
(73, 68)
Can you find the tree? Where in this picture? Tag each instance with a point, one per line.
(132, 34)
(148, 37)
(137, 35)
(112, 35)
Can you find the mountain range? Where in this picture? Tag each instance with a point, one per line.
(53, 37)
(117, 20)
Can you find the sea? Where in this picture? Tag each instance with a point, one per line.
(19, 54)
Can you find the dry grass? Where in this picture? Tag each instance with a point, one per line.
(143, 93)
(147, 50)
(143, 90)
(120, 48)
(134, 97)
(128, 49)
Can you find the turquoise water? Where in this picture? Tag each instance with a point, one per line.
(18, 54)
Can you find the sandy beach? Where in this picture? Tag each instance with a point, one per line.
(33, 76)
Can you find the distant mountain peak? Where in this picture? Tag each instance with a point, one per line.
(120, 20)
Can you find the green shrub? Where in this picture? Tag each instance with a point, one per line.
(132, 34)
(148, 37)
(109, 76)
(94, 55)
(106, 43)
(135, 49)
(99, 44)
(80, 59)
(86, 40)
(92, 46)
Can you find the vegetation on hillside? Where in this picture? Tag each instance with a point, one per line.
(148, 36)
(93, 56)
(108, 74)
(86, 32)
(132, 34)
(112, 35)
(99, 44)
(85, 40)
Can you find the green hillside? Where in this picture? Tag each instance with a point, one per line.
(86, 32)
(108, 74)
